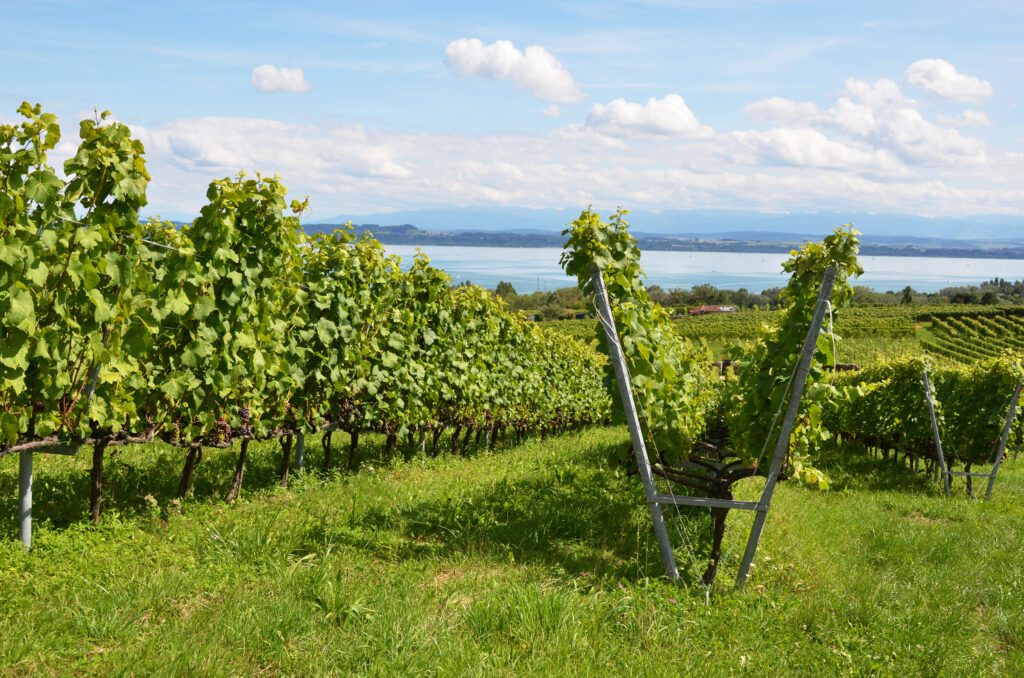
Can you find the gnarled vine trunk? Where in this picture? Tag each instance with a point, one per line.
(286, 458)
(192, 459)
(326, 441)
(353, 450)
(236, 480)
(96, 479)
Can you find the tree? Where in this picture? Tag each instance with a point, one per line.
(505, 290)
(964, 298)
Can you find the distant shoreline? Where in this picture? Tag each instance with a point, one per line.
(410, 235)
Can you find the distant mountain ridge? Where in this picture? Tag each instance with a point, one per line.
(741, 241)
(705, 223)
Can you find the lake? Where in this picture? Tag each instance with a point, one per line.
(530, 269)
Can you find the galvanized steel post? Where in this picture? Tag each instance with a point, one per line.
(25, 498)
(643, 464)
(782, 445)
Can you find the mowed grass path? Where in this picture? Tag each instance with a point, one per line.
(532, 561)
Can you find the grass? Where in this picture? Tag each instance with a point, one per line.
(532, 561)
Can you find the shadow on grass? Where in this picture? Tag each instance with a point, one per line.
(850, 466)
(579, 516)
(60, 490)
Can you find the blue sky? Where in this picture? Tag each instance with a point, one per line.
(373, 106)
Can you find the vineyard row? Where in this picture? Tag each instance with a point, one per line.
(239, 326)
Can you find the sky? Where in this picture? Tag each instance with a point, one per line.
(899, 107)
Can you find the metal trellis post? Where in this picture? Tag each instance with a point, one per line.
(782, 445)
(25, 498)
(643, 464)
(943, 468)
(1010, 416)
(300, 449)
(656, 499)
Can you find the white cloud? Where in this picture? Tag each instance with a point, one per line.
(272, 79)
(216, 146)
(968, 118)
(941, 78)
(881, 114)
(666, 116)
(779, 110)
(880, 95)
(552, 111)
(535, 69)
(349, 168)
(874, 117)
(808, 148)
(872, 149)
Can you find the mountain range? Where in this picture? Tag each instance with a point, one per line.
(741, 225)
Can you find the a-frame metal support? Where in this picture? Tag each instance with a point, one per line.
(1011, 414)
(655, 499)
(947, 475)
(782, 445)
(643, 463)
(943, 468)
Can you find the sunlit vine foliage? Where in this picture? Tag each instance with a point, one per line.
(239, 325)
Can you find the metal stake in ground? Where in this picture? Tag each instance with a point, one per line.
(643, 464)
(943, 468)
(782, 445)
(300, 449)
(25, 498)
(1010, 416)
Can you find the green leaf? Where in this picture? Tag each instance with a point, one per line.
(177, 303)
(102, 311)
(204, 306)
(42, 185)
(326, 330)
(37, 274)
(22, 312)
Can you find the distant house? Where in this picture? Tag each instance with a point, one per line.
(705, 310)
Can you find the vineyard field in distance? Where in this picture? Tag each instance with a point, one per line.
(866, 334)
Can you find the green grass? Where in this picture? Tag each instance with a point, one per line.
(532, 561)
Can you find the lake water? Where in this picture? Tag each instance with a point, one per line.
(530, 269)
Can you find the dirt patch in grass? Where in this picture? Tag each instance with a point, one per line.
(921, 519)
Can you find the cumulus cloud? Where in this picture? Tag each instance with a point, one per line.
(350, 168)
(534, 69)
(871, 148)
(968, 118)
(666, 116)
(777, 109)
(271, 79)
(941, 78)
(882, 114)
(872, 117)
(223, 145)
(809, 148)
